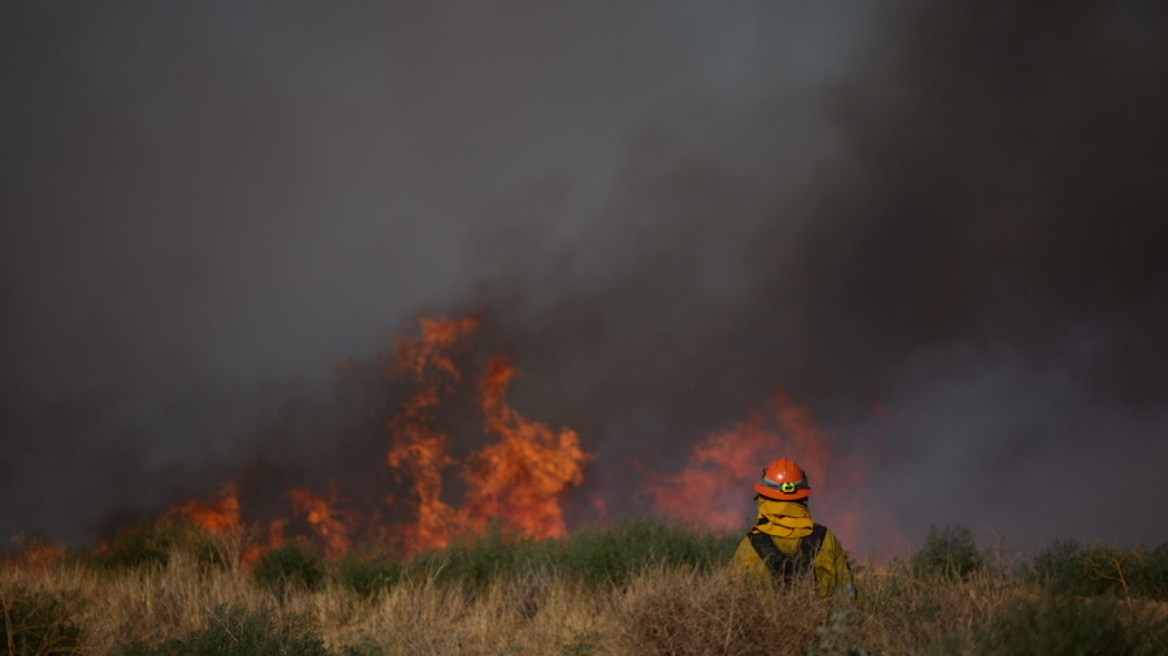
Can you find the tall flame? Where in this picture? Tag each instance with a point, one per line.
(520, 477)
(420, 452)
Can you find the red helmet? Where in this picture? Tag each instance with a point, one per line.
(783, 480)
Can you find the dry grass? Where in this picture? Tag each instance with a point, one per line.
(925, 615)
(150, 604)
(687, 613)
(418, 616)
(662, 610)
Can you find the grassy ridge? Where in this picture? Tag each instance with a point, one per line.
(642, 587)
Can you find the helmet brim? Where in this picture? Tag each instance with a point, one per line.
(772, 493)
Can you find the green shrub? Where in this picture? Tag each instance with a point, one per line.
(949, 552)
(151, 545)
(288, 568)
(1072, 627)
(37, 622)
(475, 560)
(614, 555)
(368, 575)
(1070, 569)
(233, 631)
(592, 555)
(1062, 571)
(1151, 577)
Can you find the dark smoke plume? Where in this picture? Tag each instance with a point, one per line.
(973, 240)
(942, 226)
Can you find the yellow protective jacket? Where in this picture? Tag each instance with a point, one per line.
(786, 524)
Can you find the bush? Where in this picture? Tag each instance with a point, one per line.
(683, 612)
(475, 560)
(36, 622)
(949, 552)
(1062, 569)
(291, 567)
(152, 544)
(614, 555)
(1151, 578)
(368, 575)
(593, 556)
(233, 631)
(1072, 627)
(1070, 569)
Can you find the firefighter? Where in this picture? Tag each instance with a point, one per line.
(784, 543)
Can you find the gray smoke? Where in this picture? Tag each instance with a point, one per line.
(665, 211)
(968, 233)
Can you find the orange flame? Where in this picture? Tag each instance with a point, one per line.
(273, 538)
(418, 454)
(435, 350)
(219, 515)
(333, 527)
(520, 478)
(517, 478)
(419, 451)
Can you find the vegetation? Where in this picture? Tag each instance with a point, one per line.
(234, 631)
(368, 574)
(615, 555)
(151, 545)
(1072, 626)
(38, 621)
(641, 587)
(949, 552)
(293, 567)
(1071, 569)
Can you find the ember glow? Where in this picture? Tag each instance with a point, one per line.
(37, 556)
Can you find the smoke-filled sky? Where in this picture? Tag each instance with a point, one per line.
(943, 226)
